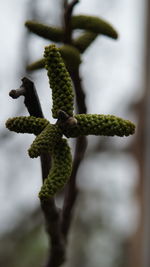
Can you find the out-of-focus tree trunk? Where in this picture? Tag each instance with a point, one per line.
(139, 249)
(146, 241)
(135, 244)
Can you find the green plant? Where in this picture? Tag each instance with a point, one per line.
(62, 66)
(49, 136)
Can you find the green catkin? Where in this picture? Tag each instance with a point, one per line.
(60, 171)
(106, 125)
(26, 124)
(60, 82)
(84, 41)
(49, 136)
(39, 64)
(45, 141)
(47, 32)
(93, 24)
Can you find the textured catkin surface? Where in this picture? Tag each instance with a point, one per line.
(107, 125)
(26, 124)
(45, 141)
(60, 82)
(60, 171)
(52, 33)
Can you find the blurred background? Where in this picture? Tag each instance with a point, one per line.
(112, 218)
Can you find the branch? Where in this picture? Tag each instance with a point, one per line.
(57, 244)
(51, 214)
(16, 93)
(32, 103)
(67, 20)
(80, 95)
(58, 224)
(70, 7)
(81, 144)
(71, 190)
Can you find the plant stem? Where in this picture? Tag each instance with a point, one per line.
(57, 244)
(51, 213)
(58, 222)
(71, 190)
(81, 142)
(68, 9)
(79, 92)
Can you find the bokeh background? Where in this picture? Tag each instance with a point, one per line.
(111, 219)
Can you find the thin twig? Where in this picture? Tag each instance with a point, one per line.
(71, 6)
(67, 20)
(71, 190)
(80, 148)
(17, 93)
(79, 92)
(81, 142)
(57, 244)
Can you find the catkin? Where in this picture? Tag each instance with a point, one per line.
(106, 125)
(60, 171)
(45, 141)
(48, 32)
(60, 82)
(84, 41)
(94, 24)
(25, 124)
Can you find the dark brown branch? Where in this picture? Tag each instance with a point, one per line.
(31, 99)
(79, 92)
(81, 144)
(32, 103)
(51, 214)
(70, 7)
(57, 250)
(71, 190)
(67, 20)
